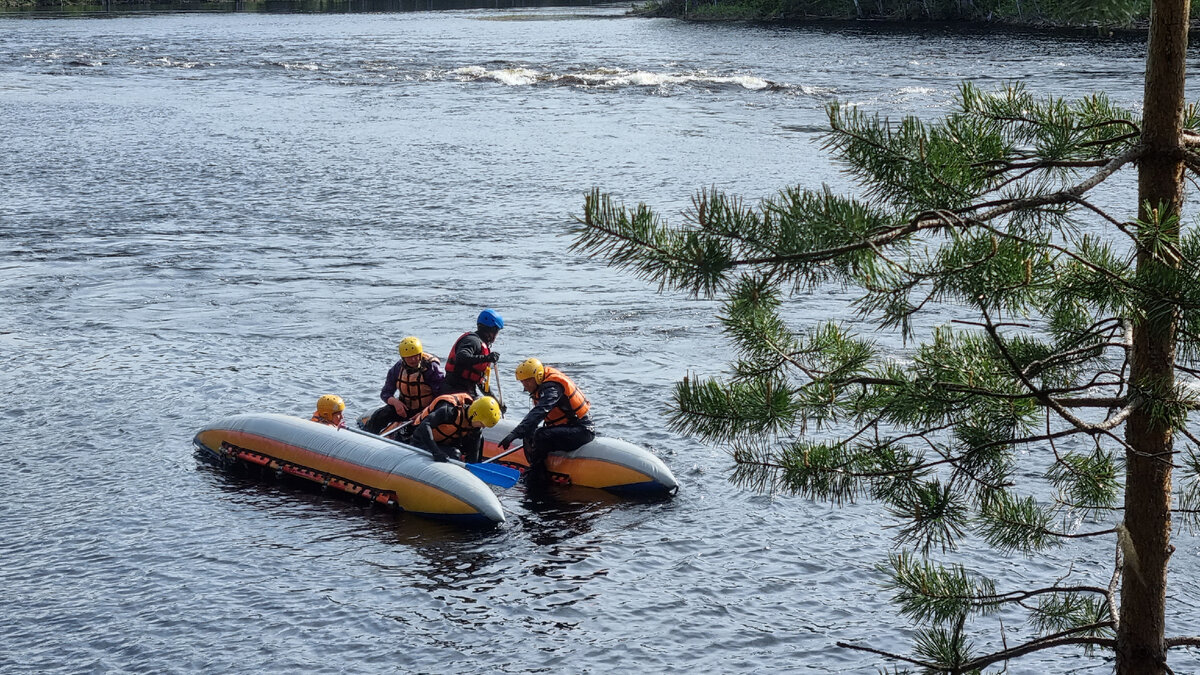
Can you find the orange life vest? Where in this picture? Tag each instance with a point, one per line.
(474, 373)
(455, 430)
(318, 419)
(572, 400)
(415, 392)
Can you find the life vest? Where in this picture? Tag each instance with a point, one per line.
(474, 373)
(415, 392)
(455, 430)
(319, 420)
(572, 406)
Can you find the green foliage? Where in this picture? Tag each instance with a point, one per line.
(1088, 482)
(934, 515)
(945, 648)
(1095, 13)
(983, 218)
(1058, 612)
(1012, 523)
(756, 406)
(1095, 279)
(1188, 502)
(935, 594)
(1102, 12)
(1188, 335)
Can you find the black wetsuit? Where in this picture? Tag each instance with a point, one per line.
(541, 441)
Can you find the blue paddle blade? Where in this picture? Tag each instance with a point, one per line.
(494, 474)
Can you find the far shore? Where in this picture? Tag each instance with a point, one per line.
(837, 14)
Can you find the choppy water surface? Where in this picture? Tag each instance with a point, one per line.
(207, 214)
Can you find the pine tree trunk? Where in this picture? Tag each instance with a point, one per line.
(1140, 648)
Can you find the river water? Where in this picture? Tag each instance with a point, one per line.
(203, 214)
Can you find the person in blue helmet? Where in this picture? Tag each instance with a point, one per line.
(472, 355)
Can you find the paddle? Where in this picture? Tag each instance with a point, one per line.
(388, 433)
(500, 476)
(487, 387)
(506, 453)
(499, 397)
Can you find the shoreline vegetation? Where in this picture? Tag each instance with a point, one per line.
(1103, 16)
(1098, 15)
(270, 6)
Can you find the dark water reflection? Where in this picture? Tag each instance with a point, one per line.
(203, 214)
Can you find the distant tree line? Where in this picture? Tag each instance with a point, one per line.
(1107, 13)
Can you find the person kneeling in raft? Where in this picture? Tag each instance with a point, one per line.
(560, 407)
(411, 385)
(450, 427)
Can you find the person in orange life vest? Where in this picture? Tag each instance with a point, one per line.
(451, 426)
(561, 409)
(330, 409)
(472, 355)
(411, 384)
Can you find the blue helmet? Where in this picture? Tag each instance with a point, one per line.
(490, 318)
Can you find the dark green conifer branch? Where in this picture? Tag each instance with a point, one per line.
(1077, 612)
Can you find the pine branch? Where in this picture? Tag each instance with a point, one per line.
(1115, 139)
(1106, 402)
(1135, 130)
(1019, 596)
(1062, 250)
(952, 460)
(1040, 165)
(1045, 399)
(929, 220)
(1084, 507)
(1064, 196)
(931, 667)
(954, 387)
(1117, 575)
(1048, 642)
(920, 162)
(1122, 226)
(1063, 535)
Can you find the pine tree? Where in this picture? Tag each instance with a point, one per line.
(1069, 335)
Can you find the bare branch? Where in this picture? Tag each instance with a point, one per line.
(880, 652)
(1111, 592)
(1182, 642)
(1044, 643)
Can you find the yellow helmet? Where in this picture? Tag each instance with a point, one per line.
(410, 346)
(329, 404)
(531, 368)
(484, 409)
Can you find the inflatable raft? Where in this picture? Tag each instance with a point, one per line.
(361, 465)
(605, 463)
